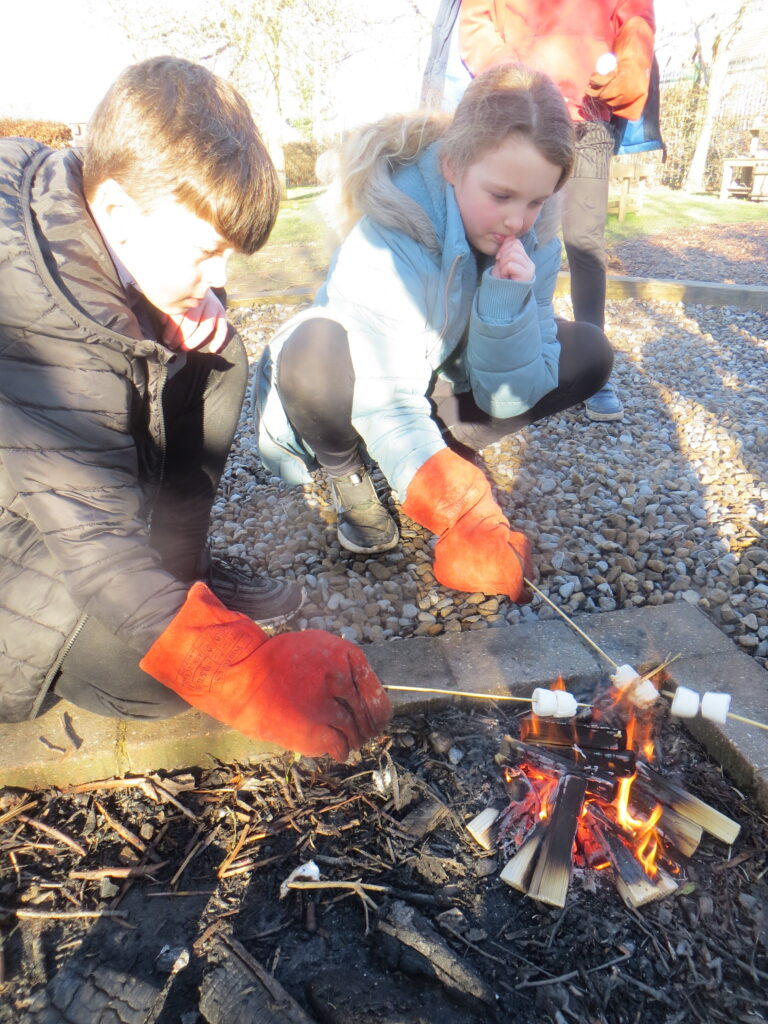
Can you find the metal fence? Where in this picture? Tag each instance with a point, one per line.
(683, 105)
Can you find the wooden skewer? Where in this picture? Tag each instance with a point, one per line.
(465, 693)
(730, 714)
(570, 622)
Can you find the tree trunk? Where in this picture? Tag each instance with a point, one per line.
(694, 179)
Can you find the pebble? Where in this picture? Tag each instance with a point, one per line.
(669, 504)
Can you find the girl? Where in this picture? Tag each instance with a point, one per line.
(434, 331)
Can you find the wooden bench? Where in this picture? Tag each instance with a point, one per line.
(628, 183)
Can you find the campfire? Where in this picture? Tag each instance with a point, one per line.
(584, 794)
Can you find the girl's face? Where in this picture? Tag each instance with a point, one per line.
(502, 193)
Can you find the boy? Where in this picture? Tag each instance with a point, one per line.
(120, 391)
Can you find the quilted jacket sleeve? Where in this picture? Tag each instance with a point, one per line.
(513, 353)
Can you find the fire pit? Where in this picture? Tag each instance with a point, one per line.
(584, 794)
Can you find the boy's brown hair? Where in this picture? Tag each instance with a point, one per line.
(169, 127)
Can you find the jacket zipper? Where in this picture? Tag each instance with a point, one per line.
(51, 675)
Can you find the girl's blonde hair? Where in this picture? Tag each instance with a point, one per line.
(506, 100)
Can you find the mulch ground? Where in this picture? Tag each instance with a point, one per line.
(727, 253)
(206, 852)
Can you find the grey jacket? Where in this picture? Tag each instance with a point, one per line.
(81, 433)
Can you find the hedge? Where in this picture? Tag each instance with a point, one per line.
(51, 133)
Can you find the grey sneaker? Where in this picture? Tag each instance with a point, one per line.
(268, 602)
(604, 405)
(362, 523)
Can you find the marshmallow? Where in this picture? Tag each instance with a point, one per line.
(685, 703)
(565, 704)
(543, 702)
(623, 676)
(643, 694)
(714, 706)
(606, 63)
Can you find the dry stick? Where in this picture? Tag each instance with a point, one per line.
(125, 833)
(66, 915)
(54, 833)
(134, 871)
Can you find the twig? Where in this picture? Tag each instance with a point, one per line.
(125, 833)
(18, 809)
(162, 793)
(133, 871)
(65, 915)
(196, 849)
(359, 888)
(232, 856)
(547, 981)
(54, 833)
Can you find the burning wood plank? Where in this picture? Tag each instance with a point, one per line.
(686, 804)
(632, 881)
(565, 734)
(552, 873)
(559, 761)
(684, 834)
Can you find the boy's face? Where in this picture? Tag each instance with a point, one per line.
(173, 255)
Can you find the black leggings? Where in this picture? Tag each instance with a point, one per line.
(316, 381)
(201, 409)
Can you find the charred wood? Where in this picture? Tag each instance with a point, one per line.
(652, 784)
(552, 874)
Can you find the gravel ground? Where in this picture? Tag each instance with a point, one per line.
(667, 505)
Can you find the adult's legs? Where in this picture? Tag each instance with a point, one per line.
(101, 674)
(585, 211)
(586, 360)
(316, 381)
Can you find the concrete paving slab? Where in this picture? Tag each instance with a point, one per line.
(49, 752)
(509, 659)
(505, 660)
(645, 637)
(740, 747)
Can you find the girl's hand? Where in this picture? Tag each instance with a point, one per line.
(512, 261)
(204, 323)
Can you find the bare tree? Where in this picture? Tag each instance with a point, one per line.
(715, 36)
(264, 47)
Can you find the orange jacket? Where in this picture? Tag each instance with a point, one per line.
(564, 38)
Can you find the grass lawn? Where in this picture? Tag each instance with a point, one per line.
(665, 211)
(301, 243)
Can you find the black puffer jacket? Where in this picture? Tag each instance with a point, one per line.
(81, 435)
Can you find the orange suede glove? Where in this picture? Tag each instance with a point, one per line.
(477, 551)
(625, 90)
(307, 691)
